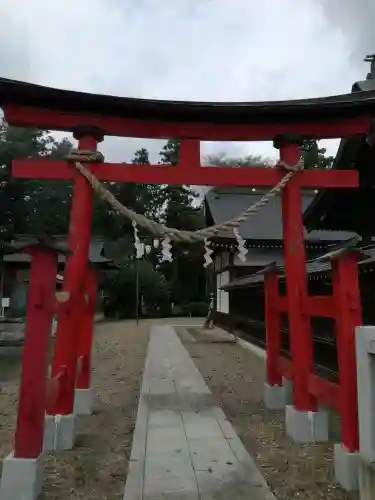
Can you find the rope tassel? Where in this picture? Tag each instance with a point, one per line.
(242, 250)
(166, 250)
(208, 252)
(139, 247)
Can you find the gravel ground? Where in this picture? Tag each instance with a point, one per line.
(235, 376)
(96, 468)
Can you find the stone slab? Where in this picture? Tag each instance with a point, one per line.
(274, 397)
(306, 426)
(21, 478)
(84, 401)
(346, 468)
(366, 480)
(184, 447)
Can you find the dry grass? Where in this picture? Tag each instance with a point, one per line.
(96, 468)
(236, 376)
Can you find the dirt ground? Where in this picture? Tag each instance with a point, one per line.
(235, 376)
(96, 468)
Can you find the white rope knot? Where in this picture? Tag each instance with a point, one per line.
(85, 156)
(298, 167)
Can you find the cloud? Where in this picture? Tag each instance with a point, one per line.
(215, 50)
(355, 20)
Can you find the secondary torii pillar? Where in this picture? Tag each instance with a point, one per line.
(84, 394)
(60, 420)
(22, 475)
(303, 420)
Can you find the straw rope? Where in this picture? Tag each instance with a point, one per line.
(79, 157)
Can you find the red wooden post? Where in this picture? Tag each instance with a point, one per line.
(40, 309)
(348, 316)
(85, 337)
(67, 337)
(301, 347)
(273, 336)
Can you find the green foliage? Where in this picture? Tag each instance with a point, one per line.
(314, 156)
(42, 207)
(120, 287)
(22, 201)
(221, 159)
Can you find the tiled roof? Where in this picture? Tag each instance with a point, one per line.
(225, 203)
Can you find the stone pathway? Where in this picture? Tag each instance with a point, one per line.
(184, 448)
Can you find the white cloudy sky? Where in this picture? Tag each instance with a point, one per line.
(232, 50)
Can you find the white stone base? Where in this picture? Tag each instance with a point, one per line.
(22, 478)
(274, 397)
(84, 401)
(59, 432)
(288, 386)
(346, 468)
(306, 427)
(366, 480)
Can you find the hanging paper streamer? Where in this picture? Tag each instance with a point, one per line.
(242, 250)
(166, 250)
(208, 252)
(139, 247)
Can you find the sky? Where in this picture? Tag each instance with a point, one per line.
(204, 50)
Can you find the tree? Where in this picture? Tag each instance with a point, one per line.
(28, 205)
(315, 157)
(248, 160)
(180, 212)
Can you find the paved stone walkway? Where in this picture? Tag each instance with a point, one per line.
(184, 448)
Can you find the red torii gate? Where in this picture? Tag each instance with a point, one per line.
(91, 117)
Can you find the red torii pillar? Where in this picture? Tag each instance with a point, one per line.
(84, 395)
(303, 421)
(303, 416)
(22, 475)
(73, 311)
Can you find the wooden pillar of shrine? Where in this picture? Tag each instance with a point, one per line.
(72, 311)
(303, 422)
(348, 316)
(84, 396)
(22, 473)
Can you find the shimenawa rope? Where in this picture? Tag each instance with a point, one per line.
(78, 157)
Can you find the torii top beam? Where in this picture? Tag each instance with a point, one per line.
(29, 105)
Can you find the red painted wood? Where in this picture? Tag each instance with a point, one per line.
(286, 367)
(317, 305)
(126, 127)
(327, 393)
(301, 346)
(321, 306)
(85, 336)
(28, 441)
(189, 173)
(349, 315)
(273, 334)
(70, 316)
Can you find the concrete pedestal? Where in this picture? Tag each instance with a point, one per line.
(306, 427)
(22, 478)
(59, 432)
(274, 397)
(84, 401)
(346, 468)
(288, 387)
(366, 480)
